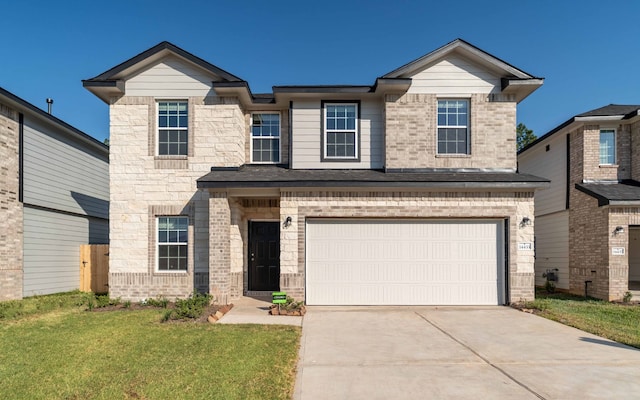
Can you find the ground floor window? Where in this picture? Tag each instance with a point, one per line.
(172, 243)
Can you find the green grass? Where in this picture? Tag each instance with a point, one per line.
(618, 322)
(68, 353)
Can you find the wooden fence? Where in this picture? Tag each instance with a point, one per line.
(94, 268)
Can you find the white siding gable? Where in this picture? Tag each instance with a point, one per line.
(170, 78)
(454, 75)
(552, 165)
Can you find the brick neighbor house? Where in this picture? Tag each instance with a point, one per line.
(401, 192)
(54, 196)
(588, 221)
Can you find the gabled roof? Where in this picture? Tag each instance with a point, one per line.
(464, 48)
(513, 80)
(611, 112)
(24, 106)
(109, 82)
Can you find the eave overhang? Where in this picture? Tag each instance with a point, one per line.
(25, 107)
(521, 88)
(249, 176)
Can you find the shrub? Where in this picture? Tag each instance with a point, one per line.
(627, 297)
(159, 301)
(190, 308)
(292, 305)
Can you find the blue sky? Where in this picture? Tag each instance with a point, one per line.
(588, 51)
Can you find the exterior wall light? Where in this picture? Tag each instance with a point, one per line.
(287, 222)
(618, 230)
(526, 221)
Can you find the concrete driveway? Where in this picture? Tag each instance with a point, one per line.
(457, 353)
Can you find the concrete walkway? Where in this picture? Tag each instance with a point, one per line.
(457, 353)
(255, 310)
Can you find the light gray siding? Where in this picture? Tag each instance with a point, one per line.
(454, 75)
(552, 247)
(171, 78)
(306, 128)
(52, 249)
(62, 174)
(551, 164)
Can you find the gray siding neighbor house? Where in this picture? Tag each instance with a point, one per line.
(54, 196)
(403, 192)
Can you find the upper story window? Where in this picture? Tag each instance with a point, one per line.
(173, 128)
(607, 147)
(453, 126)
(265, 138)
(172, 243)
(340, 131)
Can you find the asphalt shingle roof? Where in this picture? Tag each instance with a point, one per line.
(280, 176)
(623, 193)
(611, 109)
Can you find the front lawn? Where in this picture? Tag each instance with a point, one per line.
(68, 353)
(619, 322)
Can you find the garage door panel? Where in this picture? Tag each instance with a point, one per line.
(412, 262)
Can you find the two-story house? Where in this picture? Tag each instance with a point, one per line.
(588, 221)
(401, 192)
(54, 197)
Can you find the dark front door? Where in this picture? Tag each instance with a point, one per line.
(264, 256)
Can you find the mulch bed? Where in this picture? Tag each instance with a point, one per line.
(211, 314)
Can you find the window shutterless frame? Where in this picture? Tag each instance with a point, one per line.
(172, 127)
(607, 146)
(172, 244)
(340, 131)
(265, 142)
(453, 133)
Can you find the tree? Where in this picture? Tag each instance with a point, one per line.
(524, 136)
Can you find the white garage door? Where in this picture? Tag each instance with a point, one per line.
(404, 262)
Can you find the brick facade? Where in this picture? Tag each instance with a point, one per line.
(591, 227)
(410, 122)
(145, 186)
(11, 228)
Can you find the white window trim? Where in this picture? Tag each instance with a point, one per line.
(157, 250)
(615, 145)
(468, 127)
(355, 131)
(279, 137)
(157, 125)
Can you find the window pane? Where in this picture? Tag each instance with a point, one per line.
(607, 147)
(173, 124)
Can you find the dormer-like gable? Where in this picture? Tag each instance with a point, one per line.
(459, 68)
(163, 70)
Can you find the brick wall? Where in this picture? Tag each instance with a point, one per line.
(11, 230)
(592, 170)
(411, 129)
(635, 151)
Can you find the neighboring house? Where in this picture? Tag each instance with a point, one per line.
(54, 196)
(402, 192)
(588, 221)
